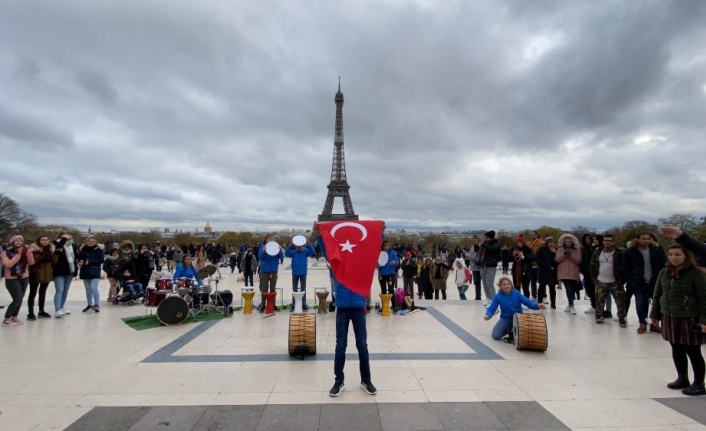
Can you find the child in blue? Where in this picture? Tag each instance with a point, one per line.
(510, 301)
(300, 260)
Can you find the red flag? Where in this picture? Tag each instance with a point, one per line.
(352, 250)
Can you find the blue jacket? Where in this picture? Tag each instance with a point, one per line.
(182, 271)
(345, 298)
(510, 303)
(268, 263)
(390, 269)
(299, 258)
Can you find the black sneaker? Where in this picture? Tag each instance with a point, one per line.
(695, 389)
(31, 317)
(509, 340)
(44, 314)
(336, 389)
(607, 315)
(369, 388)
(682, 382)
(89, 307)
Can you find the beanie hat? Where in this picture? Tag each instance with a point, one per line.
(520, 238)
(490, 234)
(15, 238)
(548, 239)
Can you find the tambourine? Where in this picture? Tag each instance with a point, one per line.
(383, 258)
(299, 240)
(272, 248)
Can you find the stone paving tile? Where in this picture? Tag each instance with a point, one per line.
(517, 415)
(350, 417)
(692, 407)
(292, 417)
(467, 416)
(231, 418)
(408, 417)
(109, 419)
(181, 418)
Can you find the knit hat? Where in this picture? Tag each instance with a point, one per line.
(490, 234)
(548, 239)
(15, 238)
(520, 238)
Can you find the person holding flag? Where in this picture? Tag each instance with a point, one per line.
(351, 249)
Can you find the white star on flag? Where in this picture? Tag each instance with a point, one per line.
(347, 246)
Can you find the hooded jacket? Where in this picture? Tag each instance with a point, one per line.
(92, 258)
(681, 297)
(568, 268)
(268, 263)
(300, 258)
(388, 269)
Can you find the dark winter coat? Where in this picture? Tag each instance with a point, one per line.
(546, 266)
(92, 258)
(680, 297)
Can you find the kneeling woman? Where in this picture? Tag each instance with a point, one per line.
(186, 269)
(679, 302)
(510, 301)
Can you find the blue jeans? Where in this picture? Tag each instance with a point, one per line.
(357, 317)
(296, 280)
(641, 292)
(132, 287)
(62, 284)
(502, 328)
(462, 291)
(571, 286)
(92, 295)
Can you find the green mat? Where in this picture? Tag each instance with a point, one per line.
(140, 323)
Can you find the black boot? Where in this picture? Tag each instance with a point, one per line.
(680, 383)
(695, 389)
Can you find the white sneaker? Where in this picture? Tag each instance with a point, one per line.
(573, 310)
(65, 311)
(590, 311)
(534, 298)
(617, 319)
(486, 303)
(567, 309)
(546, 302)
(59, 313)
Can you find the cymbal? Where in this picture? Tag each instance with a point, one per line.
(207, 271)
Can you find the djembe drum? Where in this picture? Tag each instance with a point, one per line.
(322, 295)
(530, 332)
(302, 334)
(385, 299)
(298, 308)
(247, 297)
(270, 298)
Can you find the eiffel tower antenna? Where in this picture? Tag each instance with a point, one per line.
(338, 187)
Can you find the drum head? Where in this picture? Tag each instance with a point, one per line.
(272, 248)
(299, 240)
(383, 258)
(173, 310)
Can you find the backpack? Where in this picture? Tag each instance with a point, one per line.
(469, 276)
(399, 296)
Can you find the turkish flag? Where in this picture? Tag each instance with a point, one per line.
(352, 250)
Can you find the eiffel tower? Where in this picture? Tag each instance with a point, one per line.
(338, 187)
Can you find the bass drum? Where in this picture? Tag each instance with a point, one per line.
(173, 310)
(530, 332)
(302, 335)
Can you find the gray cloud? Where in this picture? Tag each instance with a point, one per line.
(475, 114)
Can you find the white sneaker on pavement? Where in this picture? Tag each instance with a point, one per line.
(65, 311)
(573, 310)
(59, 313)
(567, 309)
(591, 310)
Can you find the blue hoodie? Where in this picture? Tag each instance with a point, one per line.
(269, 263)
(510, 303)
(345, 298)
(299, 258)
(390, 269)
(189, 272)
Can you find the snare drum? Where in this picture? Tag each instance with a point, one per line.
(183, 282)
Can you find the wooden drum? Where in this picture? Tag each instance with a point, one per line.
(302, 334)
(530, 332)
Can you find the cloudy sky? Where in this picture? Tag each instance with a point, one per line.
(469, 114)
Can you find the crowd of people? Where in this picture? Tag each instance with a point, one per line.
(672, 281)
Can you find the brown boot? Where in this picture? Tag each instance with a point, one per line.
(642, 329)
(655, 328)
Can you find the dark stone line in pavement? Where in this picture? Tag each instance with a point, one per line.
(691, 407)
(109, 419)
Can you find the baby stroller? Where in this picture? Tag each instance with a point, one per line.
(124, 297)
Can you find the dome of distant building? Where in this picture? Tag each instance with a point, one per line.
(208, 229)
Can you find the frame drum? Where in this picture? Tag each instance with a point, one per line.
(530, 332)
(299, 240)
(272, 248)
(302, 334)
(173, 310)
(383, 258)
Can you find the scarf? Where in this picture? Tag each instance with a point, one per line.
(69, 252)
(21, 266)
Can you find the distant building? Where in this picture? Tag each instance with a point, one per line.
(208, 229)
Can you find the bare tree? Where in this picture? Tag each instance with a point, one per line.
(685, 222)
(12, 218)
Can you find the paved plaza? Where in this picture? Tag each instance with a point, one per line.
(437, 369)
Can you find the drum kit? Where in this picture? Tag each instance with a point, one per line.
(180, 299)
